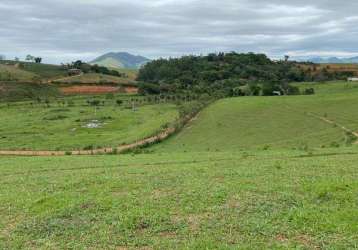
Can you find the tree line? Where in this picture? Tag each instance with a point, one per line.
(223, 74)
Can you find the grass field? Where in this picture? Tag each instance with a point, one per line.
(323, 88)
(17, 91)
(245, 200)
(131, 73)
(266, 122)
(247, 173)
(62, 128)
(43, 71)
(11, 73)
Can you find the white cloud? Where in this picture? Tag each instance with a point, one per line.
(63, 30)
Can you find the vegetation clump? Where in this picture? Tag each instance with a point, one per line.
(223, 74)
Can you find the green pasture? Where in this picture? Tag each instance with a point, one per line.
(246, 173)
(29, 70)
(11, 73)
(243, 200)
(271, 122)
(63, 124)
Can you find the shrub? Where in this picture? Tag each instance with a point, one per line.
(309, 91)
(89, 147)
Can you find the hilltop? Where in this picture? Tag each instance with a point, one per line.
(120, 60)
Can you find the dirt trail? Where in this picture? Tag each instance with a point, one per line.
(334, 123)
(120, 149)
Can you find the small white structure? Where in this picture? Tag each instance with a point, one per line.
(278, 93)
(353, 79)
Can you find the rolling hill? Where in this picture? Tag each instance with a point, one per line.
(248, 173)
(29, 70)
(120, 60)
(12, 73)
(272, 122)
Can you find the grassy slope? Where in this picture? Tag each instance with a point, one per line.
(14, 91)
(11, 73)
(41, 128)
(279, 122)
(110, 63)
(253, 200)
(131, 73)
(45, 71)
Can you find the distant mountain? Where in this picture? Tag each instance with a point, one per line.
(330, 60)
(120, 60)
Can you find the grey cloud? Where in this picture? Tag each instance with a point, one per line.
(64, 30)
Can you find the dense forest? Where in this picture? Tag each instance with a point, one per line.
(225, 74)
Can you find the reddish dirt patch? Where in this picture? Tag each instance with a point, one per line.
(88, 89)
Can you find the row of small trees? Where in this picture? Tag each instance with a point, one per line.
(110, 100)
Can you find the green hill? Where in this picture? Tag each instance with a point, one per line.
(12, 73)
(120, 60)
(272, 122)
(42, 71)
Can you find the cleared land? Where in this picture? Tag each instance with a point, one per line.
(272, 122)
(230, 180)
(15, 91)
(42, 71)
(58, 127)
(11, 73)
(258, 199)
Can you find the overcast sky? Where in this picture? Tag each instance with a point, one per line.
(65, 30)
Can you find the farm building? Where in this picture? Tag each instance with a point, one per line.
(353, 79)
(74, 72)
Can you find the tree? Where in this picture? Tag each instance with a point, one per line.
(38, 59)
(286, 58)
(95, 104)
(47, 102)
(309, 91)
(30, 58)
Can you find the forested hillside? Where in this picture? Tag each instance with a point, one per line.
(225, 74)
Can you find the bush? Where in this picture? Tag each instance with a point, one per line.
(89, 147)
(309, 91)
